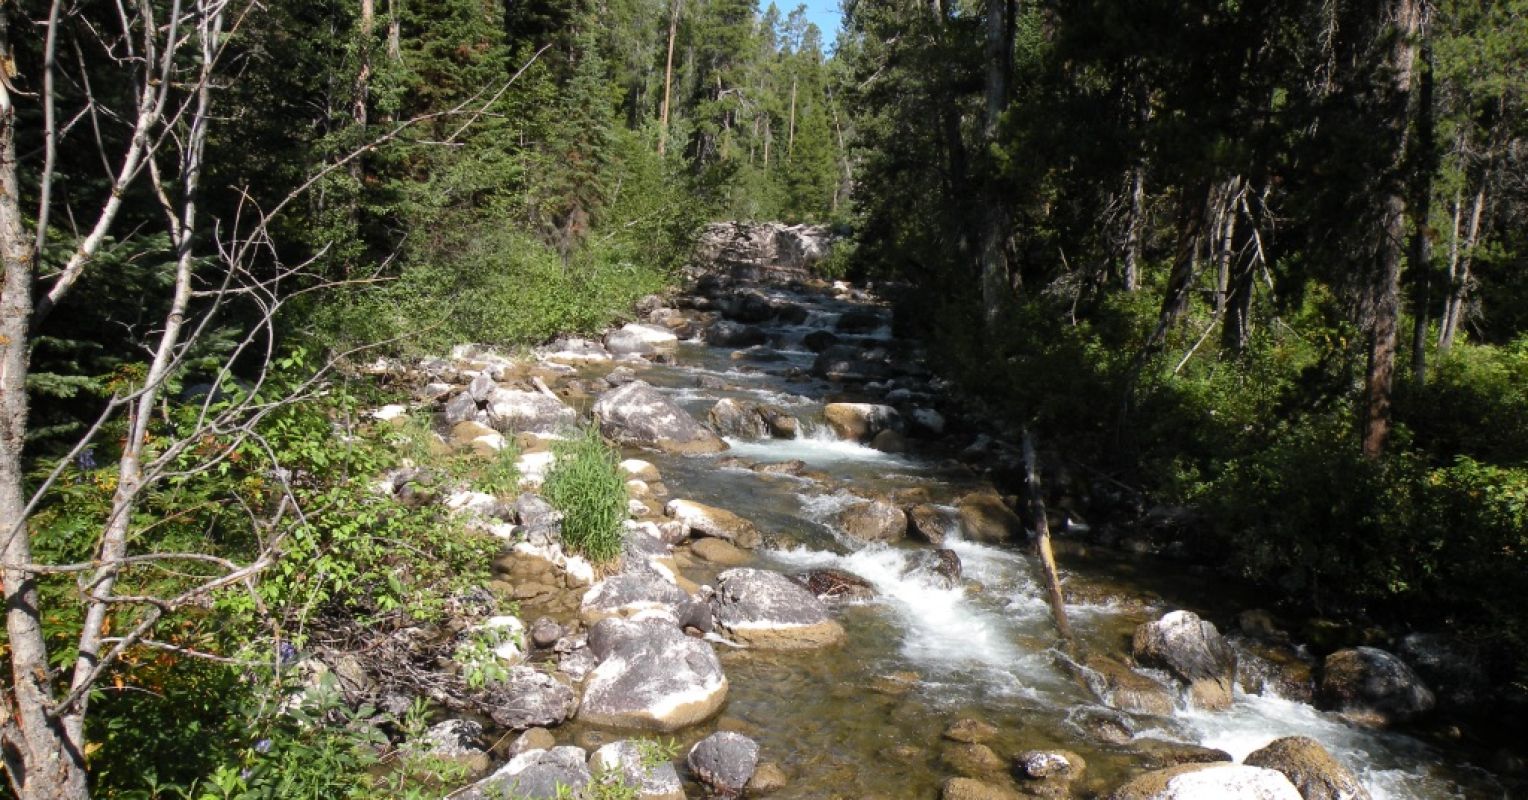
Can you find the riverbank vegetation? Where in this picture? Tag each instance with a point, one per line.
(210, 212)
(1260, 265)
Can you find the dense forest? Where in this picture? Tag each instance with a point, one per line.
(1254, 273)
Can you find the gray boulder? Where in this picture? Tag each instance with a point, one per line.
(1208, 782)
(1192, 650)
(1308, 765)
(768, 610)
(650, 676)
(933, 524)
(535, 775)
(631, 593)
(724, 761)
(726, 333)
(719, 523)
(517, 411)
(638, 339)
(528, 699)
(638, 414)
(745, 420)
(860, 422)
(1373, 686)
(873, 521)
(624, 761)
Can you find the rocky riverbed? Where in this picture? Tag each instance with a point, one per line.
(825, 592)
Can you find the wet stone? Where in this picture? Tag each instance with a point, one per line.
(970, 731)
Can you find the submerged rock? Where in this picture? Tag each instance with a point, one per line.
(1192, 650)
(724, 762)
(1312, 770)
(650, 676)
(638, 414)
(940, 568)
(1122, 688)
(1373, 686)
(768, 610)
(972, 789)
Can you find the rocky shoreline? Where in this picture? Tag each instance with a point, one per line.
(615, 654)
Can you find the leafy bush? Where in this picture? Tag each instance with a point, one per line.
(587, 486)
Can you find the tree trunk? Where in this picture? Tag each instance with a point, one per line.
(1384, 290)
(668, 79)
(993, 253)
(41, 761)
(790, 142)
(1035, 502)
(1133, 231)
(1419, 249)
(1460, 278)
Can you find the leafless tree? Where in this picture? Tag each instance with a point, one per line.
(174, 53)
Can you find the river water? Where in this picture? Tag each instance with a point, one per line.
(865, 719)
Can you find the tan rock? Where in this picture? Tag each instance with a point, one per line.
(719, 551)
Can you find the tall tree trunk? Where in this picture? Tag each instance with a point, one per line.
(668, 79)
(1419, 249)
(1461, 260)
(366, 30)
(1135, 228)
(993, 253)
(1384, 290)
(41, 760)
(790, 142)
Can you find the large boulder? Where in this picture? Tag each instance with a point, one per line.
(768, 610)
(841, 362)
(724, 761)
(650, 676)
(638, 414)
(859, 422)
(933, 524)
(1313, 770)
(984, 517)
(638, 339)
(745, 420)
(626, 762)
(763, 250)
(535, 775)
(873, 521)
(640, 591)
(516, 411)
(726, 333)
(836, 584)
(720, 523)
(1192, 651)
(1208, 782)
(1373, 686)
(1122, 688)
(527, 698)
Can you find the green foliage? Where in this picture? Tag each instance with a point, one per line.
(657, 752)
(480, 664)
(587, 486)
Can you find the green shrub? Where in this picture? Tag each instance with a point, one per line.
(587, 486)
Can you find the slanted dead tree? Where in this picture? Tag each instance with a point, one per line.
(173, 55)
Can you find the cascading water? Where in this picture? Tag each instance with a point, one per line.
(839, 721)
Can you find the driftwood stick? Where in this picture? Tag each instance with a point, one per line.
(1035, 500)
